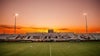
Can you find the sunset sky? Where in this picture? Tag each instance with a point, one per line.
(41, 15)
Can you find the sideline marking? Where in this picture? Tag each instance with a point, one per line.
(50, 50)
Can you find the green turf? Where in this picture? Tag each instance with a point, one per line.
(43, 49)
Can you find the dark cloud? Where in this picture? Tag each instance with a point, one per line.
(19, 27)
(9, 27)
(63, 29)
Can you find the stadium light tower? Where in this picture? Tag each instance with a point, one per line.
(85, 16)
(16, 14)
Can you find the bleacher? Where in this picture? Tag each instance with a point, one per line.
(50, 37)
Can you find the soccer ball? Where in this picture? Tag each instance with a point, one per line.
(30, 46)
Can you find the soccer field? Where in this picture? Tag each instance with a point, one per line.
(50, 49)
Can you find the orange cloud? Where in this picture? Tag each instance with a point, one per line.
(9, 27)
(22, 29)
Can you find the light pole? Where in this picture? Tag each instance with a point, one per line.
(15, 23)
(85, 16)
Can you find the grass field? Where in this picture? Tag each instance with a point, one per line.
(50, 49)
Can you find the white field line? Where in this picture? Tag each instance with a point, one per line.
(50, 50)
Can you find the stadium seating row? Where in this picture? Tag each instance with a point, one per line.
(50, 36)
